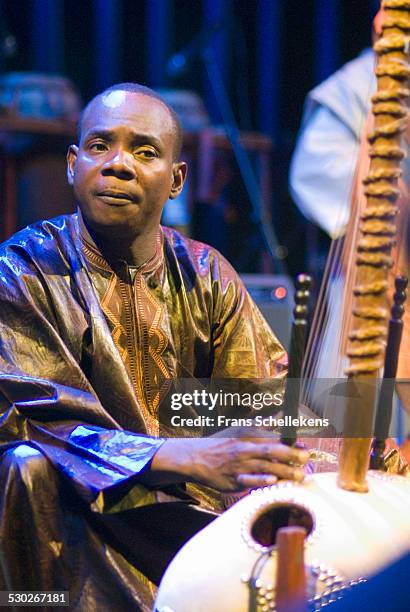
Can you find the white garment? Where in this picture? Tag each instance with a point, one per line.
(324, 161)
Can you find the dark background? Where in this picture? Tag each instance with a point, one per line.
(270, 52)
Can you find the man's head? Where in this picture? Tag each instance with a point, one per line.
(146, 91)
(126, 166)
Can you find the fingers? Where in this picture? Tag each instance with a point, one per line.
(286, 472)
(271, 462)
(253, 481)
(280, 470)
(288, 454)
(234, 464)
(274, 451)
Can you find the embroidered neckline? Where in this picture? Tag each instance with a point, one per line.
(95, 257)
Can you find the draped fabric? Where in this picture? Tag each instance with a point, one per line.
(87, 348)
(323, 164)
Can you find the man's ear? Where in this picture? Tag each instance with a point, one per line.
(179, 171)
(71, 159)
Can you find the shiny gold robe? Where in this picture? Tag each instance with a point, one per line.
(87, 348)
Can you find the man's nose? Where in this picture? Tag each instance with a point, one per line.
(120, 164)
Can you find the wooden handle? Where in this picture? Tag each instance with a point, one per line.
(290, 570)
(296, 354)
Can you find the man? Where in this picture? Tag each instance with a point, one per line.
(100, 311)
(325, 158)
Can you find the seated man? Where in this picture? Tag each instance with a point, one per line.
(100, 311)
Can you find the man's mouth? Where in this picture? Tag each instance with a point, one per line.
(113, 196)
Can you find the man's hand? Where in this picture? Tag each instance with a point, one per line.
(226, 464)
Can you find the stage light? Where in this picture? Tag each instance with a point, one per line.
(280, 293)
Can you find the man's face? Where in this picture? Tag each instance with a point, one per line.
(123, 170)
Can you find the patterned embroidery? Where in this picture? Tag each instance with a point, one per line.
(154, 342)
(136, 331)
(118, 332)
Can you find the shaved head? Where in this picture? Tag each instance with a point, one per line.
(109, 93)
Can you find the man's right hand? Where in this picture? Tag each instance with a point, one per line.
(226, 464)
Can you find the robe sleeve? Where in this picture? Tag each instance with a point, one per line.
(45, 398)
(324, 161)
(245, 347)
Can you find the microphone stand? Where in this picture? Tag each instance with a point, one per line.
(251, 185)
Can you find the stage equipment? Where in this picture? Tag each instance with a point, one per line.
(179, 63)
(189, 107)
(273, 294)
(201, 45)
(32, 95)
(38, 120)
(357, 522)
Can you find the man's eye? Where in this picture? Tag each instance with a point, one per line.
(98, 147)
(146, 152)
